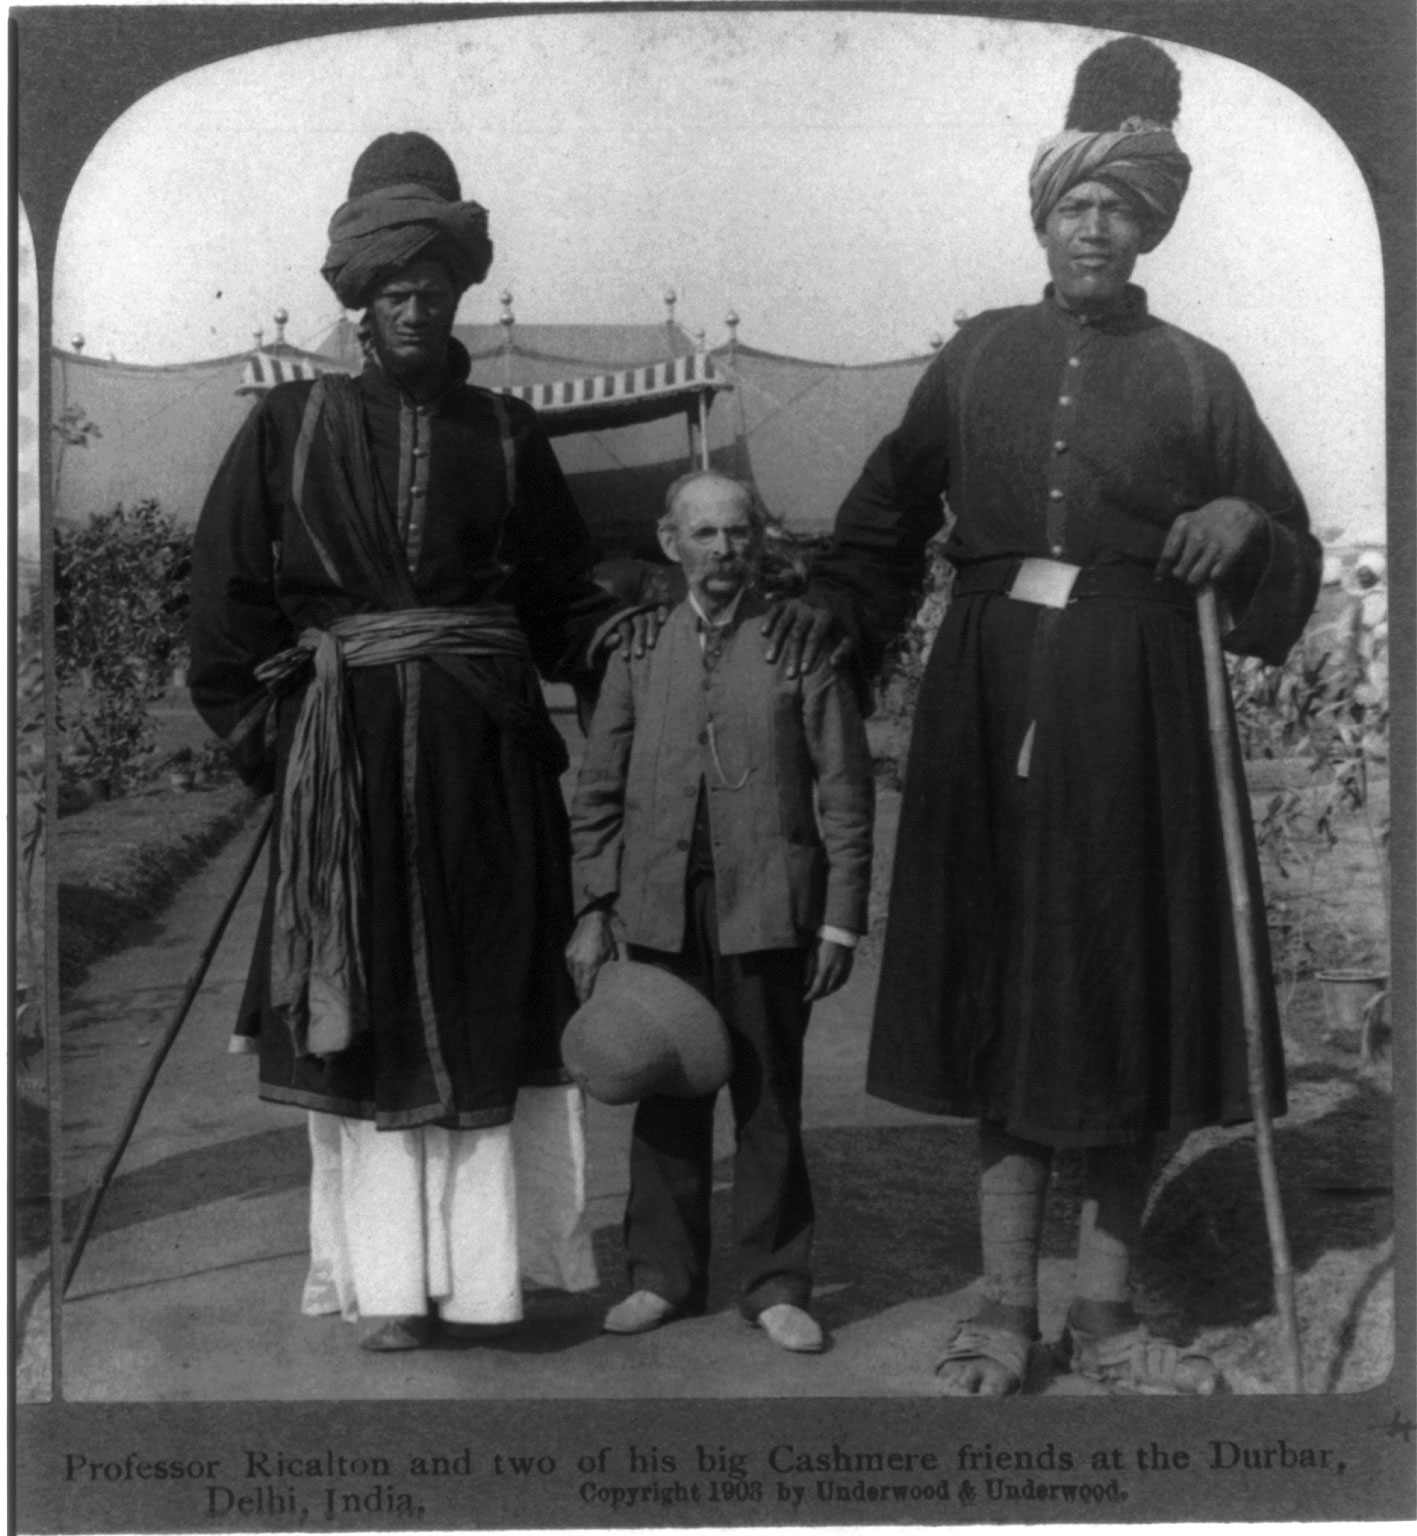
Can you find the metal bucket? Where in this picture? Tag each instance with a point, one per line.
(1347, 996)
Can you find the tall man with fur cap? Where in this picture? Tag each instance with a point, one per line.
(382, 566)
(1059, 962)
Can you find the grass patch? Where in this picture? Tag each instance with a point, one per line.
(120, 862)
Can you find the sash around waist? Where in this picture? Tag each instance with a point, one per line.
(449, 638)
(406, 634)
(1119, 580)
(318, 978)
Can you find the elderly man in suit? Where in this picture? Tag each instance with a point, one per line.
(724, 811)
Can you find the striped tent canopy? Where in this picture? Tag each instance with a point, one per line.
(535, 354)
(642, 373)
(601, 401)
(268, 367)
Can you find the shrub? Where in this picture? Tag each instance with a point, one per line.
(120, 614)
(120, 596)
(213, 762)
(110, 735)
(28, 762)
(787, 557)
(1325, 711)
(899, 683)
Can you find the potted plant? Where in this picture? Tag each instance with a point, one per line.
(214, 761)
(182, 770)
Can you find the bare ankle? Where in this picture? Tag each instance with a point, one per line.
(1013, 1319)
(1101, 1319)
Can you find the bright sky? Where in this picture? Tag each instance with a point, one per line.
(846, 182)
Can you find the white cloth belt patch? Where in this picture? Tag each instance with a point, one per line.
(1049, 583)
(1025, 754)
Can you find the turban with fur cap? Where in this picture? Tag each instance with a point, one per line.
(404, 204)
(1118, 132)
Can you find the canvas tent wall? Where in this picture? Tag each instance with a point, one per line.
(162, 431)
(799, 429)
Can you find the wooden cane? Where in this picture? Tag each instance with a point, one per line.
(1227, 778)
(189, 993)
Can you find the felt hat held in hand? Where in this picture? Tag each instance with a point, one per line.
(643, 1031)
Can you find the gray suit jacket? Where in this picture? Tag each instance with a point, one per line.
(790, 791)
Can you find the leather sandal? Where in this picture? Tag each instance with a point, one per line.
(399, 1334)
(1137, 1363)
(1001, 1346)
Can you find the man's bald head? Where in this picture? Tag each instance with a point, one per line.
(714, 485)
(712, 528)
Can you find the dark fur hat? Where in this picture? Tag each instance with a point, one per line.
(1126, 78)
(397, 158)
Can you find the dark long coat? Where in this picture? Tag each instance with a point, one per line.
(1059, 955)
(483, 516)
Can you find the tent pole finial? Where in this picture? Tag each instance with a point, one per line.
(507, 320)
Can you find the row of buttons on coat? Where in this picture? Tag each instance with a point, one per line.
(1056, 494)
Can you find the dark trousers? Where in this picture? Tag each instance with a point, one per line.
(759, 996)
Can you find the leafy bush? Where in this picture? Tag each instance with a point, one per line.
(120, 596)
(899, 683)
(213, 763)
(1325, 712)
(787, 558)
(73, 428)
(120, 616)
(28, 763)
(111, 735)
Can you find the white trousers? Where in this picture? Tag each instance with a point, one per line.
(401, 1218)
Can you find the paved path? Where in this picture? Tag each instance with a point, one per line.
(189, 1288)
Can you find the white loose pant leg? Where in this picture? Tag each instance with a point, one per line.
(548, 1144)
(471, 1195)
(383, 1178)
(401, 1217)
(329, 1283)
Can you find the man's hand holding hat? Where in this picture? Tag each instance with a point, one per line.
(590, 946)
(643, 1031)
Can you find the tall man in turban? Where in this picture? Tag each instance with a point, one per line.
(382, 566)
(1059, 963)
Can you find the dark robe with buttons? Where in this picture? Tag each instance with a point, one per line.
(1059, 956)
(484, 516)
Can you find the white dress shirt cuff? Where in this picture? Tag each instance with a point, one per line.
(840, 936)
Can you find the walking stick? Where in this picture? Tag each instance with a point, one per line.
(189, 993)
(1222, 743)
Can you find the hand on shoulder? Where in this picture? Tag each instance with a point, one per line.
(804, 633)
